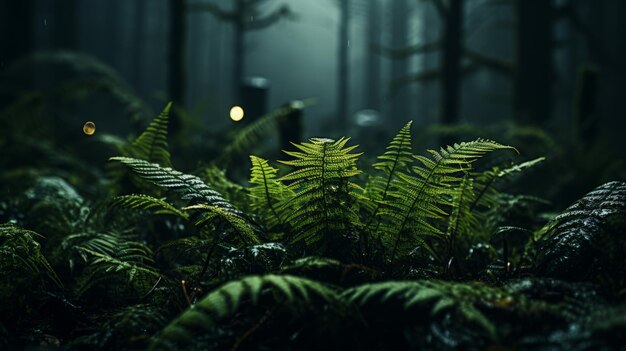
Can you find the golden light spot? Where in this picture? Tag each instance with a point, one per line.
(236, 113)
(89, 128)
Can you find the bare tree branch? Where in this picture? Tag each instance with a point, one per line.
(441, 8)
(405, 52)
(502, 66)
(425, 76)
(264, 22)
(215, 10)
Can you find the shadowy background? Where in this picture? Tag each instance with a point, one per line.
(545, 76)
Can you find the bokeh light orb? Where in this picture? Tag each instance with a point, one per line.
(89, 128)
(236, 113)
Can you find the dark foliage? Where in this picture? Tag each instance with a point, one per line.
(325, 252)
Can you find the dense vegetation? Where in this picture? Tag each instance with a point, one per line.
(321, 250)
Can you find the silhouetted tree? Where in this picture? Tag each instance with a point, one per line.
(65, 24)
(534, 72)
(399, 36)
(245, 16)
(372, 66)
(177, 33)
(138, 42)
(343, 74)
(17, 29)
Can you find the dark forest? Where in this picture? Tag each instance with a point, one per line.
(312, 174)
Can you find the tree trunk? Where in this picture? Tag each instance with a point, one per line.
(176, 78)
(533, 90)
(138, 42)
(399, 70)
(343, 74)
(372, 67)
(64, 26)
(16, 30)
(17, 37)
(450, 65)
(239, 51)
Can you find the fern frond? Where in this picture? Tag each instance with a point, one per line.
(321, 207)
(189, 187)
(396, 159)
(413, 299)
(486, 181)
(266, 192)
(586, 241)
(241, 226)
(129, 267)
(127, 328)
(293, 294)
(151, 145)
(216, 178)
(462, 221)
(416, 200)
(21, 254)
(248, 136)
(146, 202)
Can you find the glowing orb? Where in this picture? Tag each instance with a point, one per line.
(236, 113)
(89, 128)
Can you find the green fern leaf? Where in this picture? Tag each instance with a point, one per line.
(321, 207)
(251, 134)
(396, 159)
(189, 187)
(129, 266)
(416, 200)
(146, 202)
(293, 294)
(151, 145)
(21, 254)
(486, 181)
(410, 299)
(240, 225)
(267, 192)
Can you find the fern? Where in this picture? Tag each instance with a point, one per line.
(151, 145)
(395, 160)
(463, 222)
(146, 202)
(21, 254)
(189, 187)
(241, 226)
(127, 328)
(586, 241)
(129, 267)
(251, 134)
(413, 299)
(322, 205)
(286, 292)
(210, 203)
(416, 200)
(266, 192)
(233, 192)
(486, 181)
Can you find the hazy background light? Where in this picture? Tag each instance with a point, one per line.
(236, 113)
(89, 128)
